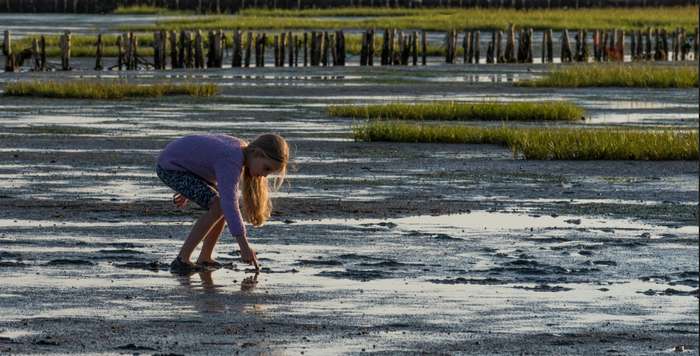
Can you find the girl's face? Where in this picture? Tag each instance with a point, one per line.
(261, 166)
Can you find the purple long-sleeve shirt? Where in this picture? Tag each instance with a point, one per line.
(219, 160)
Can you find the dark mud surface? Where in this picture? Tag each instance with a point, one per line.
(373, 247)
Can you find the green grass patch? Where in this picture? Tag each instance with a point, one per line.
(547, 143)
(442, 19)
(618, 75)
(147, 10)
(83, 89)
(450, 110)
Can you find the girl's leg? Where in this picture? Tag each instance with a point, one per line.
(210, 241)
(200, 229)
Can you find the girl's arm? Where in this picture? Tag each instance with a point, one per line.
(227, 180)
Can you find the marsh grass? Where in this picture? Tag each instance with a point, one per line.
(450, 110)
(83, 89)
(147, 10)
(618, 75)
(442, 19)
(547, 143)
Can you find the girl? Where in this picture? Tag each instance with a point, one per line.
(207, 169)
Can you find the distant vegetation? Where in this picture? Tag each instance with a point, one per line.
(441, 19)
(83, 89)
(546, 143)
(147, 10)
(618, 75)
(449, 110)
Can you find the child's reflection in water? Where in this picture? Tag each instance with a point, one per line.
(213, 299)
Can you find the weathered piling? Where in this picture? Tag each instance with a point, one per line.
(685, 46)
(414, 47)
(306, 50)
(510, 45)
(65, 45)
(647, 45)
(633, 46)
(236, 55)
(332, 49)
(451, 46)
(174, 59)
(385, 48)
(696, 45)
(370, 48)
(675, 44)
(263, 45)
(276, 49)
(36, 61)
(550, 46)
(476, 42)
(120, 52)
(297, 48)
(292, 48)
(466, 47)
(565, 47)
(499, 54)
(340, 37)
(620, 45)
(364, 44)
(490, 48)
(640, 47)
(424, 47)
(325, 48)
(393, 57)
(544, 47)
(198, 50)
(248, 48)
(10, 65)
(664, 45)
(282, 49)
(156, 50)
(42, 52)
(163, 49)
(189, 49)
(596, 46)
(98, 52)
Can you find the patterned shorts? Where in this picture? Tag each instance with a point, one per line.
(189, 185)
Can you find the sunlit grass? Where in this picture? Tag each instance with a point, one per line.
(618, 75)
(147, 10)
(443, 19)
(547, 143)
(450, 110)
(84, 89)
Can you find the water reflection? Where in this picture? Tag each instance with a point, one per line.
(208, 297)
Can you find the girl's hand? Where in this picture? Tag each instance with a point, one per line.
(248, 255)
(179, 200)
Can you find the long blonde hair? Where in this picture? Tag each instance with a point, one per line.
(255, 190)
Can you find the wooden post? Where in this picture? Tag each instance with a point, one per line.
(424, 47)
(120, 52)
(331, 48)
(182, 50)
(65, 50)
(647, 44)
(325, 45)
(306, 49)
(292, 41)
(664, 45)
(282, 51)
(297, 48)
(529, 57)
(42, 51)
(385, 48)
(476, 47)
(565, 47)
(640, 46)
(370, 47)
(499, 55)
(466, 47)
(393, 57)
(98, 53)
(544, 47)
(633, 46)
(198, 50)
(263, 44)
(612, 47)
(620, 48)
(189, 56)
(210, 49)
(134, 51)
(236, 59)
(36, 61)
(172, 39)
(276, 45)
(248, 48)
(695, 43)
(510, 45)
(490, 50)
(577, 40)
(340, 38)
(550, 46)
(584, 46)
(596, 45)
(156, 50)
(675, 44)
(448, 46)
(10, 64)
(414, 47)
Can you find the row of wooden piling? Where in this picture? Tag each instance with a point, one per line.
(185, 49)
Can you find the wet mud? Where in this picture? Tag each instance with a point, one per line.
(373, 247)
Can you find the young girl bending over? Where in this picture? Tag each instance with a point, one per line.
(208, 169)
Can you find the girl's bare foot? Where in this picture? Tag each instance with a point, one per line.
(209, 264)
